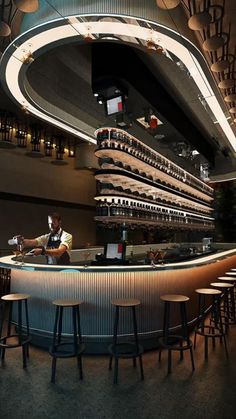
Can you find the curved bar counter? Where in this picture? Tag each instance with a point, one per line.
(98, 285)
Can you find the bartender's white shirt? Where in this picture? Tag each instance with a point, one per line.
(66, 239)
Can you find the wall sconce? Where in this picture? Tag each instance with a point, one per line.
(71, 149)
(6, 127)
(60, 150)
(35, 142)
(48, 146)
(21, 135)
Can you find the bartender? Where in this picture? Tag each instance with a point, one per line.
(55, 245)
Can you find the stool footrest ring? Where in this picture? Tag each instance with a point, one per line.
(125, 350)
(66, 350)
(175, 343)
(24, 341)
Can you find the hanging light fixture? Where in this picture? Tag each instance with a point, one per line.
(167, 4)
(6, 128)
(5, 29)
(35, 142)
(27, 6)
(60, 150)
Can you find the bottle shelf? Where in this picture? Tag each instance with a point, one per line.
(152, 190)
(117, 139)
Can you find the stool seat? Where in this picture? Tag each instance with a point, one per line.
(67, 303)
(230, 273)
(174, 298)
(208, 291)
(15, 297)
(226, 278)
(126, 302)
(222, 285)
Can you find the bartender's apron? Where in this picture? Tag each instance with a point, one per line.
(54, 242)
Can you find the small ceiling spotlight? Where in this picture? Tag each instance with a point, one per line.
(96, 94)
(159, 49)
(28, 58)
(88, 37)
(151, 46)
(100, 100)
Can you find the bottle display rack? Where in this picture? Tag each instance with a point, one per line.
(140, 187)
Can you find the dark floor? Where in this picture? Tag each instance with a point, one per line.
(209, 392)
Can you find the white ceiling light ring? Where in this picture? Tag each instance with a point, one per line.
(129, 30)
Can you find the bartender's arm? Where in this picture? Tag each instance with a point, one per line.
(51, 252)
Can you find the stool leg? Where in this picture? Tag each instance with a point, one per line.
(136, 342)
(54, 360)
(232, 304)
(27, 326)
(169, 361)
(3, 351)
(76, 327)
(221, 326)
(114, 334)
(9, 320)
(166, 322)
(53, 375)
(60, 324)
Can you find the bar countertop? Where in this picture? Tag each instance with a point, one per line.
(31, 264)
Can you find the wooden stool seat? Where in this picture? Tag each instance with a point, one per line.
(222, 284)
(126, 302)
(174, 298)
(227, 278)
(67, 303)
(15, 297)
(208, 291)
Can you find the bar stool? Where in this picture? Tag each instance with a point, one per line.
(22, 338)
(228, 300)
(125, 349)
(66, 348)
(229, 297)
(214, 330)
(173, 342)
(232, 274)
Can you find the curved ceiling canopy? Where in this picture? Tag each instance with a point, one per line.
(31, 44)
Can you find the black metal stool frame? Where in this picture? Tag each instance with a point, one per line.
(23, 340)
(57, 344)
(114, 348)
(215, 331)
(170, 342)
